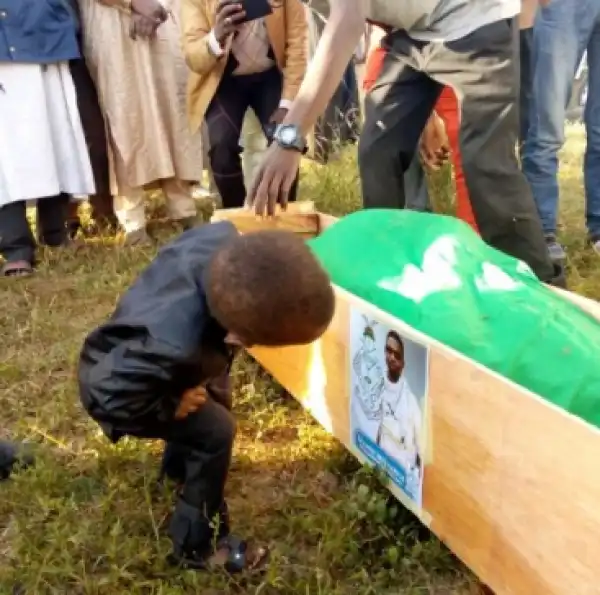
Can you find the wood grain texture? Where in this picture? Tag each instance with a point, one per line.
(512, 483)
(299, 218)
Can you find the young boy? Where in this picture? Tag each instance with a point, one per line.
(158, 368)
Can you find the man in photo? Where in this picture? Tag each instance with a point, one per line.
(401, 420)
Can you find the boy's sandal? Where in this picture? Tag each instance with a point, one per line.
(233, 555)
(241, 556)
(20, 268)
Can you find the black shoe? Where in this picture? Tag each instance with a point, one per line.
(11, 458)
(193, 534)
(560, 277)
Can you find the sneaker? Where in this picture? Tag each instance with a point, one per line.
(595, 244)
(560, 277)
(555, 249)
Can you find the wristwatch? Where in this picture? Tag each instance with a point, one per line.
(288, 136)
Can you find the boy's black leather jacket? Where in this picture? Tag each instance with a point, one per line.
(160, 341)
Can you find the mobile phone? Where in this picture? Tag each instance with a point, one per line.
(256, 9)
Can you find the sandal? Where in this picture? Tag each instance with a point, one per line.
(20, 268)
(232, 554)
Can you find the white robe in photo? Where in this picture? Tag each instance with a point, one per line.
(42, 145)
(401, 423)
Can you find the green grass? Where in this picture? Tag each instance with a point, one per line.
(87, 519)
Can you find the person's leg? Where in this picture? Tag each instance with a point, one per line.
(131, 214)
(94, 129)
(415, 186)
(180, 202)
(224, 119)
(556, 52)
(526, 79)
(73, 218)
(447, 108)
(103, 211)
(205, 439)
(265, 96)
(396, 110)
(175, 454)
(254, 144)
(482, 68)
(591, 166)
(52, 220)
(17, 245)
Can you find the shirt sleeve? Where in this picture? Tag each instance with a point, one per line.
(135, 380)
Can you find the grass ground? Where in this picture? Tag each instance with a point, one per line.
(87, 520)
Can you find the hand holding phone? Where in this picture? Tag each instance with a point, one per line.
(230, 14)
(256, 9)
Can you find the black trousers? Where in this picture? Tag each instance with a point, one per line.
(198, 456)
(16, 239)
(483, 70)
(224, 119)
(92, 121)
(525, 44)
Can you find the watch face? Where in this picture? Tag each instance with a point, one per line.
(287, 135)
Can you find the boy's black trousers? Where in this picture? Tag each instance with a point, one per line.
(198, 455)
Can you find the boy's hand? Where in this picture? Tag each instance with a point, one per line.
(191, 400)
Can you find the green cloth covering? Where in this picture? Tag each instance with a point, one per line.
(435, 274)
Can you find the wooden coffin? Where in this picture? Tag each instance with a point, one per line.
(510, 482)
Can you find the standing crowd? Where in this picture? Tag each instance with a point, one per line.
(163, 83)
(107, 99)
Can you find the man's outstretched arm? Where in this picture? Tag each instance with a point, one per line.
(341, 35)
(345, 25)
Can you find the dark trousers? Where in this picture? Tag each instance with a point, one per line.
(200, 447)
(224, 119)
(483, 70)
(94, 129)
(16, 240)
(198, 455)
(525, 46)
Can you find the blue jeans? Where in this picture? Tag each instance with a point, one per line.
(563, 31)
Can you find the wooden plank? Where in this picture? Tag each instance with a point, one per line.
(299, 218)
(510, 482)
(512, 486)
